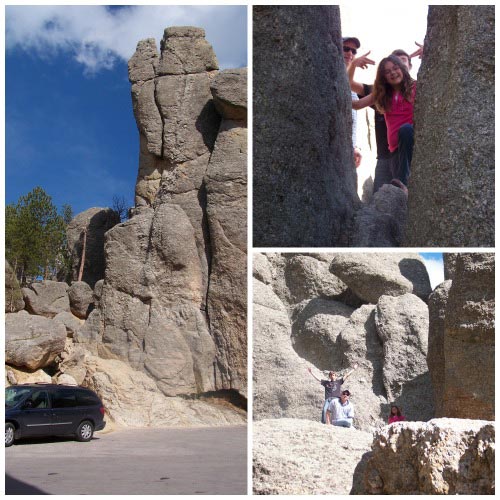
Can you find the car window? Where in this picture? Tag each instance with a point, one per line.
(40, 399)
(15, 394)
(63, 399)
(86, 398)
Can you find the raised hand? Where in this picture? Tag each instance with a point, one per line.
(363, 61)
(418, 52)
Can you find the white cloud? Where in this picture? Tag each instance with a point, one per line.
(435, 268)
(97, 36)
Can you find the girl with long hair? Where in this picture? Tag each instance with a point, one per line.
(394, 94)
(396, 415)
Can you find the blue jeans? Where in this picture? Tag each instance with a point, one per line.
(401, 158)
(343, 422)
(323, 412)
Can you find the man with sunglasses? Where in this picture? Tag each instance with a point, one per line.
(350, 47)
(340, 412)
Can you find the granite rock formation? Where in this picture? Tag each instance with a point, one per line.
(469, 339)
(304, 181)
(441, 457)
(91, 226)
(371, 275)
(160, 313)
(386, 342)
(435, 354)
(451, 190)
(175, 280)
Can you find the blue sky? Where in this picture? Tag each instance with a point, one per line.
(69, 124)
(435, 267)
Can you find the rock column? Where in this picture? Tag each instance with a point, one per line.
(452, 184)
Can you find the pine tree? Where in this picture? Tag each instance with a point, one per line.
(35, 236)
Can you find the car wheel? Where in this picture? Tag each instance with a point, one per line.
(85, 431)
(10, 431)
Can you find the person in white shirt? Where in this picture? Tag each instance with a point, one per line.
(340, 412)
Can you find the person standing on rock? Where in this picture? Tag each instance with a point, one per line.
(340, 412)
(383, 168)
(332, 388)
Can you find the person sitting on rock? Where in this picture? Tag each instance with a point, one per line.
(332, 388)
(396, 415)
(340, 412)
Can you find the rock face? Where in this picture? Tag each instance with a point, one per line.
(95, 222)
(435, 354)
(451, 193)
(304, 187)
(375, 274)
(32, 341)
(13, 296)
(299, 457)
(173, 301)
(469, 339)
(441, 457)
(226, 188)
(324, 328)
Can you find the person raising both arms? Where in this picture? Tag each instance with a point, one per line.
(332, 388)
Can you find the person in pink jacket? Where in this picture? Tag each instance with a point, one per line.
(396, 415)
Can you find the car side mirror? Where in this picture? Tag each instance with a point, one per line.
(28, 404)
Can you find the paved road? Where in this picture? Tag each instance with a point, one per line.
(135, 462)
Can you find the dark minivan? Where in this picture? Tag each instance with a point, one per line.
(33, 410)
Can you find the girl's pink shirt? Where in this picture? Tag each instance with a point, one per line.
(395, 418)
(401, 112)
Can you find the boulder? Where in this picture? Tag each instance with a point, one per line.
(435, 354)
(441, 457)
(32, 341)
(307, 277)
(184, 50)
(70, 321)
(18, 375)
(371, 275)
(95, 222)
(304, 180)
(229, 90)
(80, 299)
(403, 325)
(300, 457)
(47, 298)
(469, 339)
(451, 194)
(382, 221)
(13, 295)
(316, 324)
